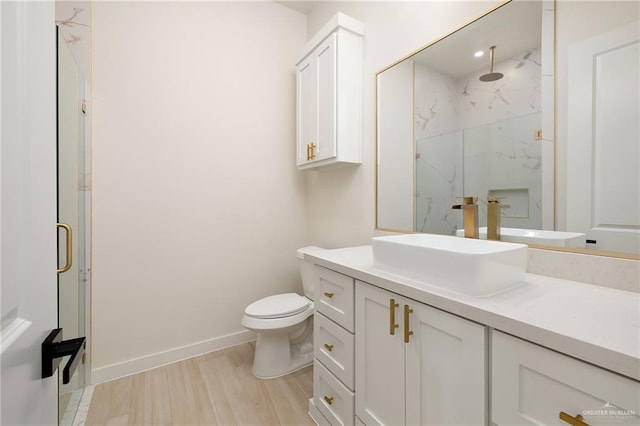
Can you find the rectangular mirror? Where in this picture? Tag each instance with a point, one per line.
(473, 114)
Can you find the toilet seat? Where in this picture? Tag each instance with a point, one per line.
(278, 306)
(277, 312)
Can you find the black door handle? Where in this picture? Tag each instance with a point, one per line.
(54, 348)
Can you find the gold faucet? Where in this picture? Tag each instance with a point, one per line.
(493, 218)
(470, 216)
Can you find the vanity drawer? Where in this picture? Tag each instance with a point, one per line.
(532, 385)
(332, 398)
(333, 296)
(334, 347)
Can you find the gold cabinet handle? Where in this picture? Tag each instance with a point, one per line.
(329, 399)
(575, 421)
(67, 266)
(407, 333)
(328, 346)
(313, 147)
(392, 317)
(308, 152)
(328, 294)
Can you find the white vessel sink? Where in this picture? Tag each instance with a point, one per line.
(536, 236)
(464, 265)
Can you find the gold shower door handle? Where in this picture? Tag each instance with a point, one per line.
(392, 317)
(407, 332)
(69, 259)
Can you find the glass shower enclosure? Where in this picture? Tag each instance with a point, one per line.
(73, 220)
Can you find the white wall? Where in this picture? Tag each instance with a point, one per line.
(198, 206)
(341, 202)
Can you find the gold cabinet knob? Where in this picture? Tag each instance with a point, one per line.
(329, 399)
(328, 346)
(328, 294)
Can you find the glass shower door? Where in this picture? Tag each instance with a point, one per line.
(73, 214)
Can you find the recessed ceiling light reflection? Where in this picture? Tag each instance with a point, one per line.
(478, 53)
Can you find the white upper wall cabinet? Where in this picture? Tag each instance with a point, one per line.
(329, 96)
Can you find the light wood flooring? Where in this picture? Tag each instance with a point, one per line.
(213, 389)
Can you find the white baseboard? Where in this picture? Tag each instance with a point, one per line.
(137, 365)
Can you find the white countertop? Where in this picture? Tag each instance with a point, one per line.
(599, 325)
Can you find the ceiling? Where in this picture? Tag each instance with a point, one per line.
(299, 6)
(513, 28)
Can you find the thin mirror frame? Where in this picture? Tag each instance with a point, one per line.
(552, 166)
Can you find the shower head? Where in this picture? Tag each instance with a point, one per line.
(491, 76)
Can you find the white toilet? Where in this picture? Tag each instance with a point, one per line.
(284, 326)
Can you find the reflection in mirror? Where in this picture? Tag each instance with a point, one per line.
(444, 133)
(475, 99)
(600, 106)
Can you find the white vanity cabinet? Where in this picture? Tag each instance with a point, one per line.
(425, 356)
(534, 385)
(333, 368)
(416, 364)
(329, 96)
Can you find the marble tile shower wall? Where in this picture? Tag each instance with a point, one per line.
(473, 138)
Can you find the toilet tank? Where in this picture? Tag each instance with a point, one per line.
(306, 269)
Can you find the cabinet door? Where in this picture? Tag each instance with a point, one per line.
(533, 385)
(325, 56)
(306, 119)
(380, 390)
(445, 369)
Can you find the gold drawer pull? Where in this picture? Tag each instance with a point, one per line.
(407, 333)
(312, 147)
(392, 317)
(329, 399)
(328, 294)
(328, 346)
(575, 421)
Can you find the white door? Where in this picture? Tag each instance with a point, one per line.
(445, 369)
(306, 120)
(316, 109)
(380, 390)
(603, 139)
(28, 210)
(325, 55)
